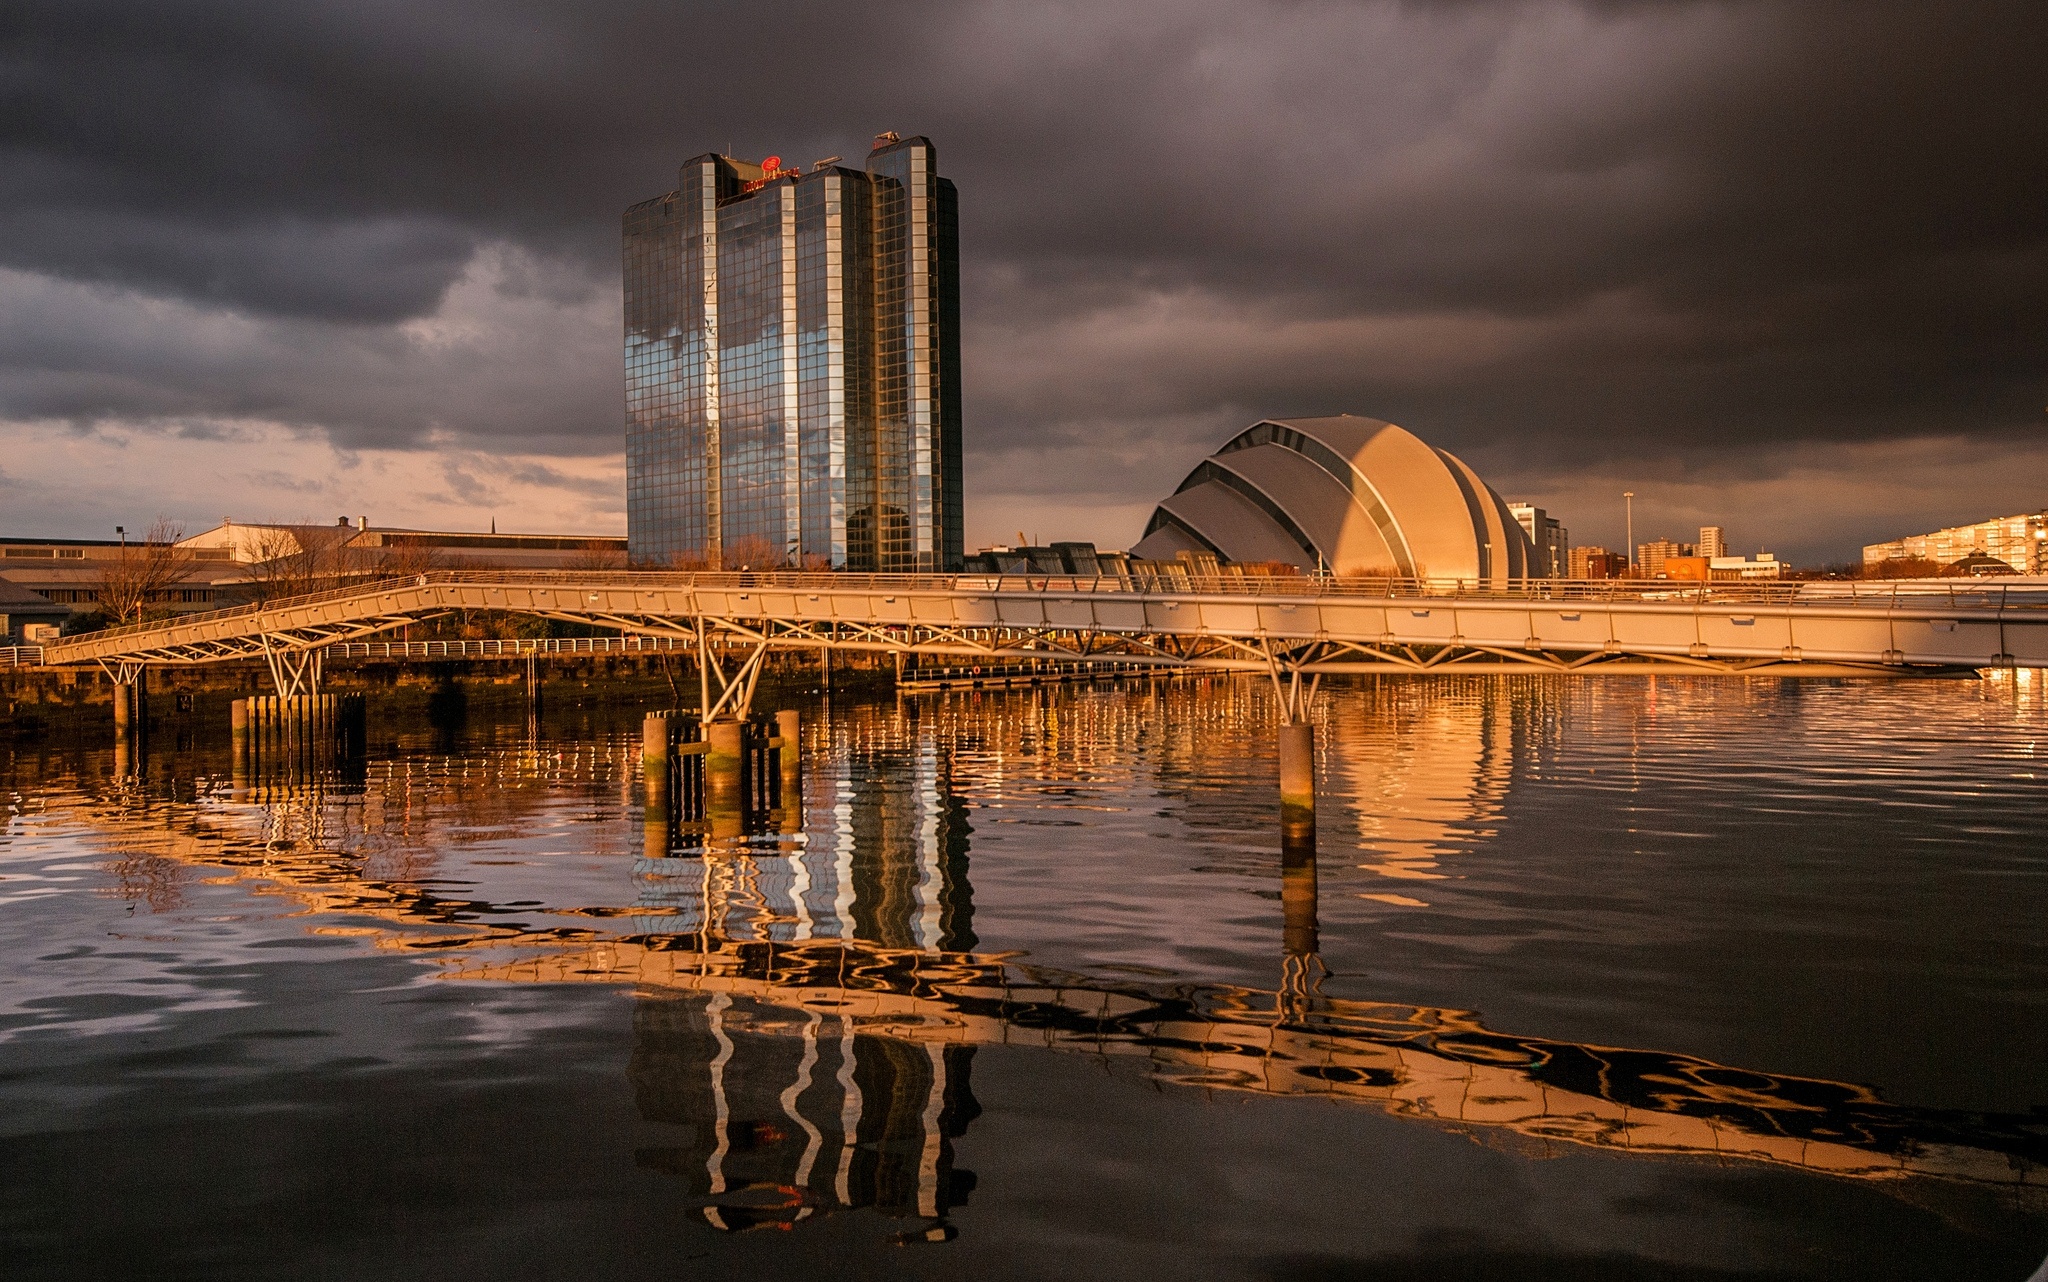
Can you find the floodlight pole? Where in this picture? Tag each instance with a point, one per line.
(1628, 498)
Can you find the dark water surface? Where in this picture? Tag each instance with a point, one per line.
(1608, 978)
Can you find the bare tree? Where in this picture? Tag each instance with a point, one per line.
(598, 555)
(407, 560)
(752, 553)
(140, 574)
(1900, 567)
(293, 560)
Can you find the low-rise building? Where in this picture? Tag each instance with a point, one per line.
(72, 573)
(239, 561)
(359, 547)
(1704, 569)
(1763, 566)
(27, 618)
(2019, 541)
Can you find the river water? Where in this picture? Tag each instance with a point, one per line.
(1598, 978)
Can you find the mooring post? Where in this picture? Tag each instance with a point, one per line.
(789, 725)
(654, 752)
(725, 786)
(899, 667)
(238, 727)
(825, 667)
(656, 737)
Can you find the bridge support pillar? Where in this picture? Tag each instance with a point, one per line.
(131, 701)
(725, 787)
(1298, 781)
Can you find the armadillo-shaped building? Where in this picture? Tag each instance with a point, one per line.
(1351, 495)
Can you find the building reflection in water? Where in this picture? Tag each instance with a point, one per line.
(785, 1114)
(790, 1114)
(809, 1003)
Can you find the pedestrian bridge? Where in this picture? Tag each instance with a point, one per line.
(1288, 627)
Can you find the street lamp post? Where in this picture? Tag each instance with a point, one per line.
(1628, 498)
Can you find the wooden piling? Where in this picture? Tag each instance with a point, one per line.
(725, 777)
(789, 728)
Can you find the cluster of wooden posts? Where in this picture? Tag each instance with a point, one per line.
(297, 731)
(722, 778)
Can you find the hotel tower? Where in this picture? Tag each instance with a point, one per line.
(793, 365)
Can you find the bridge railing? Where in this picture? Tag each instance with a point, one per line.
(2020, 593)
(20, 656)
(504, 648)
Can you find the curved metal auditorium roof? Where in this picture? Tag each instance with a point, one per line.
(1355, 495)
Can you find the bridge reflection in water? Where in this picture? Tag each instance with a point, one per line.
(809, 1003)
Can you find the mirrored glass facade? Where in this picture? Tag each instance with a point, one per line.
(793, 366)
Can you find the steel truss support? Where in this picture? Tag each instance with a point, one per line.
(736, 697)
(122, 672)
(293, 671)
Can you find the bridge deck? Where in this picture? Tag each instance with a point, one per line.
(1300, 624)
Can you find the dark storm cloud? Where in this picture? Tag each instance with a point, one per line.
(1682, 234)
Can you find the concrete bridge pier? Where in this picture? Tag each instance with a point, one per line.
(1298, 781)
(131, 702)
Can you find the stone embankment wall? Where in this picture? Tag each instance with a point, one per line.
(35, 699)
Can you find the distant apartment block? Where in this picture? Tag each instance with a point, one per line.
(1552, 542)
(1597, 563)
(1713, 542)
(1650, 556)
(2019, 541)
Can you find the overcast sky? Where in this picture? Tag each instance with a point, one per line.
(1783, 266)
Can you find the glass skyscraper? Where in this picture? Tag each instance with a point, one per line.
(793, 365)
